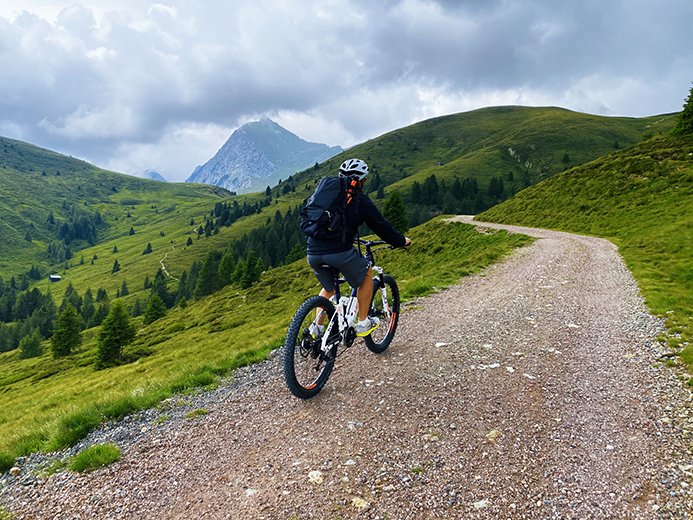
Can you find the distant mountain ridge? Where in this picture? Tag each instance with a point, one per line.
(258, 154)
(154, 175)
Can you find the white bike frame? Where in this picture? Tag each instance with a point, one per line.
(346, 312)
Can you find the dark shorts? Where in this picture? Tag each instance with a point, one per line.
(351, 264)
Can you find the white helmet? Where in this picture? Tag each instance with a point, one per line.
(354, 168)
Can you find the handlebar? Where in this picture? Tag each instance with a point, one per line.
(369, 243)
(370, 246)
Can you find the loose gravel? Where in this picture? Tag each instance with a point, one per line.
(535, 389)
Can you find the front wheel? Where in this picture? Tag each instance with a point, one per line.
(306, 366)
(384, 306)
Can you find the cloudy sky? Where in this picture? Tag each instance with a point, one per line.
(135, 84)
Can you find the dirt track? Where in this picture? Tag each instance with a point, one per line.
(529, 391)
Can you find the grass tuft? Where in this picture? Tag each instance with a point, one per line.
(196, 413)
(6, 462)
(95, 457)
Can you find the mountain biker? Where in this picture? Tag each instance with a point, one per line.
(344, 256)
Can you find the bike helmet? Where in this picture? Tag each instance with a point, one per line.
(355, 169)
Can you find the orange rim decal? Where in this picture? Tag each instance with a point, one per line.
(392, 321)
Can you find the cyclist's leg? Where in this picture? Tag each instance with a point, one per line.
(364, 294)
(326, 279)
(359, 274)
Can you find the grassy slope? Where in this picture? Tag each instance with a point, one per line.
(477, 144)
(45, 404)
(640, 199)
(27, 196)
(31, 188)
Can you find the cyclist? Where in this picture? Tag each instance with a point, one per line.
(344, 256)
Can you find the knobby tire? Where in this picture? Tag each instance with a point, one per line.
(306, 368)
(380, 339)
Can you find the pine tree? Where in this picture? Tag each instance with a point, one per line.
(685, 122)
(72, 297)
(147, 249)
(395, 212)
(136, 308)
(88, 307)
(124, 289)
(159, 287)
(101, 312)
(117, 331)
(155, 309)
(189, 242)
(208, 280)
(67, 332)
(226, 267)
(116, 267)
(101, 294)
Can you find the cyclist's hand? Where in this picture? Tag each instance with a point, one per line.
(407, 241)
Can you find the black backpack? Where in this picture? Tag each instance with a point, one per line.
(324, 215)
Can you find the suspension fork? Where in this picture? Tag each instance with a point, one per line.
(383, 289)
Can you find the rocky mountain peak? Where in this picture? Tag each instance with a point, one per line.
(258, 154)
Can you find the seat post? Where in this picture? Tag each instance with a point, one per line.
(337, 292)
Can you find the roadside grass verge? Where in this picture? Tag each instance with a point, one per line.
(47, 405)
(641, 200)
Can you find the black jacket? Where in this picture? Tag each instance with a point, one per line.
(361, 210)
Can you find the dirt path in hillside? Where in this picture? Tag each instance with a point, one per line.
(531, 390)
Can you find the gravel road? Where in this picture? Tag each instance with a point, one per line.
(532, 390)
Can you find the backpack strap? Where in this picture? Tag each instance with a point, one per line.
(351, 192)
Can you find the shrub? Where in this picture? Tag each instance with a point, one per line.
(95, 457)
(30, 346)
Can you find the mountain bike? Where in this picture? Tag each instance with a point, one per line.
(323, 329)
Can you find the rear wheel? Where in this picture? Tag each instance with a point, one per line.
(385, 307)
(306, 366)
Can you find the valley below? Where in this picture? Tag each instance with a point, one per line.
(534, 389)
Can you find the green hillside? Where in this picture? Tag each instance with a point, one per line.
(641, 200)
(37, 183)
(520, 145)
